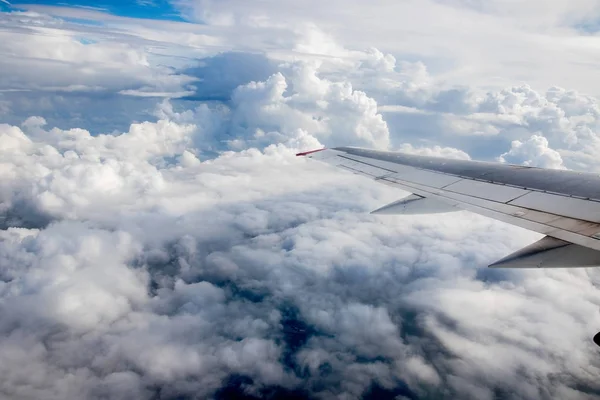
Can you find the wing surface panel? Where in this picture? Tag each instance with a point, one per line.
(570, 183)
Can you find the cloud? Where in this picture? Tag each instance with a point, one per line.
(534, 152)
(437, 151)
(520, 42)
(221, 74)
(423, 112)
(127, 57)
(293, 106)
(534, 44)
(76, 60)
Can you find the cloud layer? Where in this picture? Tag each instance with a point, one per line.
(139, 270)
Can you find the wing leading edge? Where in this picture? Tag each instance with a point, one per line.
(563, 205)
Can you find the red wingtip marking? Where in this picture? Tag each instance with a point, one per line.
(305, 153)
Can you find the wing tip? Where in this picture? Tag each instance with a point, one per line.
(305, 153)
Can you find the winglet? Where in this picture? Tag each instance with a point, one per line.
(305, 153)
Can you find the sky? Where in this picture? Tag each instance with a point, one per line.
(160, 240)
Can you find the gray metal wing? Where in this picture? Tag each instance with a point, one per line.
(563, 205)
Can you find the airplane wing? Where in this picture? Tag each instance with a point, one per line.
(563, 205)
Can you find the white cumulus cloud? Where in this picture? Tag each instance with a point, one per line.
(534, 152)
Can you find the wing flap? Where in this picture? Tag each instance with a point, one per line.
(550, 252)
(561, 205)
(415, 204)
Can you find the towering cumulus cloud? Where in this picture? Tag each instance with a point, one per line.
(160, 240)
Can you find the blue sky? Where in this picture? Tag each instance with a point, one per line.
(147, 9)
